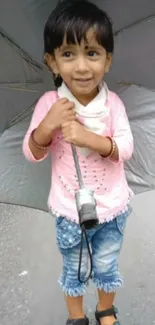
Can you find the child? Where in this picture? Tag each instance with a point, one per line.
(78, 43)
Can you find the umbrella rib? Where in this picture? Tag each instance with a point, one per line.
(24, 54)
(20, 116)
(126, 83)
(21, 86)
(149, 17)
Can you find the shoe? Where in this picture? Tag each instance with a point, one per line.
(81, 321)
(108, 312)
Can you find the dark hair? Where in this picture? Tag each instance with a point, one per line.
(73, 18)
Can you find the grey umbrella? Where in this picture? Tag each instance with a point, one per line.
(23, 79)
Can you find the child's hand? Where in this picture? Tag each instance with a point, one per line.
(75, 133)
(61, 111)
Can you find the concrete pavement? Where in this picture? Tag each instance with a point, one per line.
(30, 265)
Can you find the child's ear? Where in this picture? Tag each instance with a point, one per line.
(108, 62)
(49, 60)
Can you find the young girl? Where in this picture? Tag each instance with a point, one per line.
(78, 43)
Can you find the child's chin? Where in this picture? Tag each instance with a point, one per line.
(84, 89)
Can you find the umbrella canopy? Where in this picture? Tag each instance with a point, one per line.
(23, 79)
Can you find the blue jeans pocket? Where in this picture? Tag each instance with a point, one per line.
(68, 233)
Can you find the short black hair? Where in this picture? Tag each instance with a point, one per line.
(72, 19)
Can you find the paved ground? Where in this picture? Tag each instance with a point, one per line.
(30, 265)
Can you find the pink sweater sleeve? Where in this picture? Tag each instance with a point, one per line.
(121, 130)
(39, 113)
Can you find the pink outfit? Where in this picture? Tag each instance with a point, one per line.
(104, 176)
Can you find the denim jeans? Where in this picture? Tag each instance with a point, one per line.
(105, 241)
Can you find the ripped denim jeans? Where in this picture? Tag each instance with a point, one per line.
(105, 241)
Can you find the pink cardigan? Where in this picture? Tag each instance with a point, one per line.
(105, 177)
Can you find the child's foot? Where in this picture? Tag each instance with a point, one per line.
(110, 320)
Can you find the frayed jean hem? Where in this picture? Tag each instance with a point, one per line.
(108, 286)
(72, 290)
(79, 289)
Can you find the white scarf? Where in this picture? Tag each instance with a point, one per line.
(92, 114)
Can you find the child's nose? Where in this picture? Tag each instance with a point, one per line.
(81, 65)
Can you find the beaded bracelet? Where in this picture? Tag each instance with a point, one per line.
(37, 145)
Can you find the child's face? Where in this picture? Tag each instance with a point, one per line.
(81, 66)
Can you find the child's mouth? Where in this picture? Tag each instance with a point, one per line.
(83, 80)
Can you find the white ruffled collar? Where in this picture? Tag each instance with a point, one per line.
(92, 115)
(94, 109)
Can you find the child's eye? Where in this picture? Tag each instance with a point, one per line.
(67, 54)
(92, 53)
